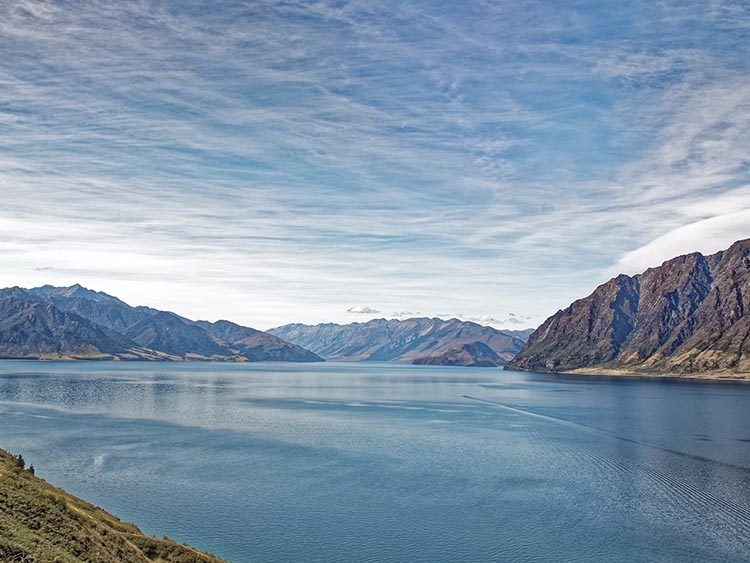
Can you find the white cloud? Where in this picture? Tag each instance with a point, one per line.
(489, 320)
(401, 315)
(236, 164)
(362, 310)
(706, 236)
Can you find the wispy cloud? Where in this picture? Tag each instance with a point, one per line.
(275, 161)
(362, 310)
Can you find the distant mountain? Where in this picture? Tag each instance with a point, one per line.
(691, 315)
(38, 330)
(176, 336)
(522, 334)
(474, 354)
(254, 344)
(77, 323)
(96, 306)
(396, 340)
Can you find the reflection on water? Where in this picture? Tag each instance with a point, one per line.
(387, 462)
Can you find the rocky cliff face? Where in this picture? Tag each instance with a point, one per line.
(394, 340)
(689, 315)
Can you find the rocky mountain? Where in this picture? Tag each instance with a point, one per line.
(77, 323)
(254, 344)
(474, 354)
(38, 330)
(396, 340)
(522, 334)
(691, 315)
(176, 336)
(96, 306)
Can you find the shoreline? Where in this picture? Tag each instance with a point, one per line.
(623, 373)
(702, 376)
(610, 373)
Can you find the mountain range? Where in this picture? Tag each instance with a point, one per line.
(691, 315)
(78, 323)
(474, 354)
(420, 340)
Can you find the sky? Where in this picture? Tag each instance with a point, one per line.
(277, 161)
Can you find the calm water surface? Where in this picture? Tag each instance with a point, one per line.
(345, 462)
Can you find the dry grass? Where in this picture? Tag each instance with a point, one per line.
(40, 523)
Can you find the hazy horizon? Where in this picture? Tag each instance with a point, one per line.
(278, 162)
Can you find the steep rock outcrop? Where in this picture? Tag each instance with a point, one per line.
(689, 315)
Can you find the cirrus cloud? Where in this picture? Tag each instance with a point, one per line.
(276, 161)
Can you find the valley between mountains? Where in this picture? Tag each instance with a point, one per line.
(687, 317)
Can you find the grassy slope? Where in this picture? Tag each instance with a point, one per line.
(40, 523)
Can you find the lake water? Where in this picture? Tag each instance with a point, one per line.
(349, 462)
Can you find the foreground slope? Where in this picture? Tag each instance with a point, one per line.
(396, 340)
(691, 315)
(40, 523)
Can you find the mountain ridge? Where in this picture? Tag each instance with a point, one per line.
(396, 340)
(470, 354)
(38, 330)
(70, 323)
(253, 343)
(690, 315)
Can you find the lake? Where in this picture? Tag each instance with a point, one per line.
(382, 462)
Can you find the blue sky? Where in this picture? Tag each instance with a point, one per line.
(280, 161)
